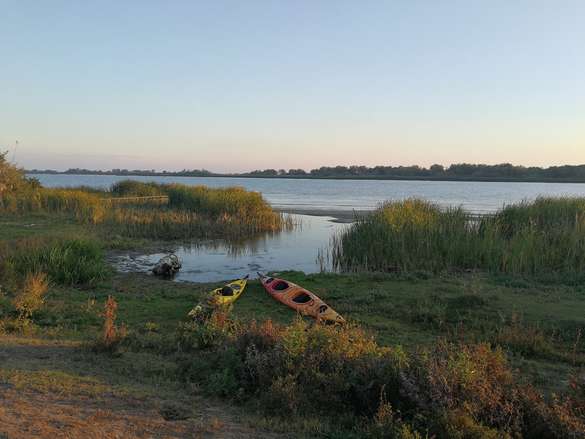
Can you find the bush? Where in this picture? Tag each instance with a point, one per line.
(341, 375)
(12, 179)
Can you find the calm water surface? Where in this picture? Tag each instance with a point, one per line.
(333, 195)
(215, 261)
(298, 249)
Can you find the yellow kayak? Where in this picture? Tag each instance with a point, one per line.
(223, 296)
(229, 293)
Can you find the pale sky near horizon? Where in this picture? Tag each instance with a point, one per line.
(235, 86)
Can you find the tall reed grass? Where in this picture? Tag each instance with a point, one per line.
(86, 207)
(547, 235)
(190, 212)
(129, 188)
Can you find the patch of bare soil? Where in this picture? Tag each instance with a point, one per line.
(43, 411)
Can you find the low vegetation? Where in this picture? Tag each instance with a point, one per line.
(544, 236)
(454, 334)
(176, 212)
(343, 376)
(66, 262)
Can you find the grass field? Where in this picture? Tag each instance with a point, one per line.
(434, 348)
(412, 311)
(409, 311)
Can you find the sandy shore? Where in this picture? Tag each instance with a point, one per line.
(341, 216)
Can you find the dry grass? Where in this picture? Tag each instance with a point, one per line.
(31, 297)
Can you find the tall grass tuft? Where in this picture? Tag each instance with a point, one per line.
(32, 296)
(70, 262)
(547, 235)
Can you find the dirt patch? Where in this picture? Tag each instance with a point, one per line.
(37, 401)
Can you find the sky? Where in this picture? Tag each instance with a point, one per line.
(235, 86)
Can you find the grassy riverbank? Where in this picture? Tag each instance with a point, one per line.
(536, 325)
(442, 340)
(528, 330)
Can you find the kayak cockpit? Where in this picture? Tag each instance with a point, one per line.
(301, 298)
(226, 291)
(280, 286)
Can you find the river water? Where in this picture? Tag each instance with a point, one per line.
(219, 260)
(348, 195)
(299, 249)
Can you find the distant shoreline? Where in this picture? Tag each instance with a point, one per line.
(309, 177)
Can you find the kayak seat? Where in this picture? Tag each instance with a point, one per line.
(227, 291)
(302, 298)
(280, 286)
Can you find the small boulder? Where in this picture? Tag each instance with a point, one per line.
(167, 266)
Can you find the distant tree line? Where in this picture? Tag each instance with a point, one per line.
(122, 172)
(460, 171)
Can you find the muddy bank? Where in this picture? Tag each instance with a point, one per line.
(338, 216)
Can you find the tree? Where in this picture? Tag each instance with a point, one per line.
(437, 169)
(12, 179)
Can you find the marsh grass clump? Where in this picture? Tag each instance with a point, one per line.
(128, 188)
(545, 236)
(405, 236)
(175, 212)
(69, 262)
(85, 207)
(194, 211)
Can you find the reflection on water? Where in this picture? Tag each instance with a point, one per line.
(219, 260)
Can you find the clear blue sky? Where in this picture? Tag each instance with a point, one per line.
(232, 86)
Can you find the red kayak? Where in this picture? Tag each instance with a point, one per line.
(299, 299)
